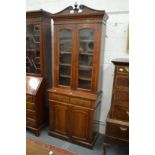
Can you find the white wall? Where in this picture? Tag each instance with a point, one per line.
(115, 42)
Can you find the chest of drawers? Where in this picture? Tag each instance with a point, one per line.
(117, 124)
(35, 88)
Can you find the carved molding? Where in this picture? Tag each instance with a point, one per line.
(80, 11)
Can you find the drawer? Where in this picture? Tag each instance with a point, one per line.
(30, 114)
(122, 81)
(58, 97)
(122, 69)
(80, 102)
(30, 105)
(29, 98)
(120, 113)
(117, 130)
(121, 98)
(30, 122)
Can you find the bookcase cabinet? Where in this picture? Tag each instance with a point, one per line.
(38, 45)
(38, 55)
(75, 95)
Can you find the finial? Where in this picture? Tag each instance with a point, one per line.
(75, 6)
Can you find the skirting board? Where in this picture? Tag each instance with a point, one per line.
(100, 126)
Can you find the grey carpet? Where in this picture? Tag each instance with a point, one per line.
(97, 150)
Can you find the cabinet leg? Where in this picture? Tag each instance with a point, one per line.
(37, 133)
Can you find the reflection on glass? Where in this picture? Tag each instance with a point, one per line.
(32, 85)
(86, 41)
(65, 57)
(86, 49)
(33, 48)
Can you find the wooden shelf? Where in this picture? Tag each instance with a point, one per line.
(84, 67)
(86, 53)
(65, 52)
(62, 64)
(64, 76)
(86, 40)
(84, 78)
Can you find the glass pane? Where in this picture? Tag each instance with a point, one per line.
(86, 49)
(65, 57)
(33, 49)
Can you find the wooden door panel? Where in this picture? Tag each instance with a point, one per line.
(79, 123)
(64, 50)
(60, 118)
(87, 51)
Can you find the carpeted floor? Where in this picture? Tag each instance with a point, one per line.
(37, 147)
(97, 150)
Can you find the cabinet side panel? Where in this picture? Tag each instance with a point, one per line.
(47, 59)
(101, 58)
(47, 52)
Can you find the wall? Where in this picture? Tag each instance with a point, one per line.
(115, 42)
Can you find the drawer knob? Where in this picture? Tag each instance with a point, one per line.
(55, 90)
(80, 102)
(123, 129)
(70, 93)
(121, 69)
(127, 113)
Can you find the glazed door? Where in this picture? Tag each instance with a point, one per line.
(60, 118)
(33, 44)
(63, 52)
(87, 56)
(80, 124)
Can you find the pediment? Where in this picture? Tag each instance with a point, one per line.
(80, 11)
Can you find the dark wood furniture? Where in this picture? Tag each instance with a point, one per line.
(117, 125)
(76, 95)
(38, 44)
(38, 48)
(35, 107)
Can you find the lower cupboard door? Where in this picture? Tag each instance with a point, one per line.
(81, 128)
(59, 118)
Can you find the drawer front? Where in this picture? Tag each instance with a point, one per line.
(30, 114)
(117, 130)
(29, 98)
(122, 81)
(121, 98)
(30, 122)
(58, 97)
(120, 113)
(122, 69)
(80, 102)
(30, 105)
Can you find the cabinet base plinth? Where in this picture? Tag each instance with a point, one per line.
(79, 142)
(36, 131)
